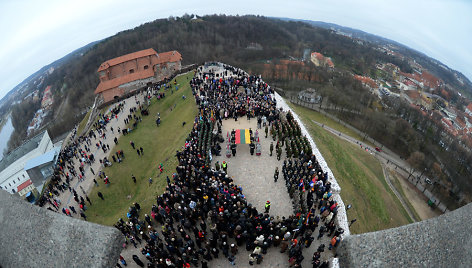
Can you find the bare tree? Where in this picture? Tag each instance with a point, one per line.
(416, 161)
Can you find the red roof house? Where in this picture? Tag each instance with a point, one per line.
(468, 109)
(121, 75)
(24, 185)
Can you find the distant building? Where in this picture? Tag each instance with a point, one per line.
(50, 70)
(25, 188)
(41, 167)
(122, 75)
(254, 46)
(407, 85)
(367, 81)
(36, 122)
(306, 54)
(47, 100)
(468, 109)
(36, 96)
(309, 95)
(32, 161)
(319, 60)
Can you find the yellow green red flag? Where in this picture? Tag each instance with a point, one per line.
(242, 136)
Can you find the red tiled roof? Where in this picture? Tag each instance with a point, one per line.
(410, 83)
(430, 80)
(468, 118)
(450, 128)
(24, 185)
(127, 57)
(469, 107)
(329, 62)
(366, 80)
(319, 56)
(413, 94)
(105, 85)
(170, 56)
(158, 58)
(460, 122)
(427, 78)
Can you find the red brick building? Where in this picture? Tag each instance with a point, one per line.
(127, 73)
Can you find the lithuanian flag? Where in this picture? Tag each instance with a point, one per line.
(242, 136)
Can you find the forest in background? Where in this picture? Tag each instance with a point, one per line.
(230, 39)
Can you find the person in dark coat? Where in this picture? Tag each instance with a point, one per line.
(138, 261)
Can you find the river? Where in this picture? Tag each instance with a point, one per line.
(5, 134)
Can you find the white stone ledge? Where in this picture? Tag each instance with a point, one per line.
(341, 217)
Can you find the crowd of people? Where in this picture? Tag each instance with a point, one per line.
(80, 149)
(203, 214)
(78, 156)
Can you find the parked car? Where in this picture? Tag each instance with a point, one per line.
(378, 149)
(428, 181)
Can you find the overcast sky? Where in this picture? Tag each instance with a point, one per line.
(35, 33)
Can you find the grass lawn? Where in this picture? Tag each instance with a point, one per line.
(83, 123)
(361, 178)
(159, 144)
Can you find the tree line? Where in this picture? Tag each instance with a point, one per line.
(417, 138)
(222, 38)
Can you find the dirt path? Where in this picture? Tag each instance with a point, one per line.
(417, 199)
(398, 195)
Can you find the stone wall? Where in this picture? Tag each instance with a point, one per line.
(32, 236)
(134, 85)
(166, 70)
(341, 216)
(444, 241)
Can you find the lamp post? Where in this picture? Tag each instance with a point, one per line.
(352, 221)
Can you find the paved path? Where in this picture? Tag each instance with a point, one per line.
(398, 195)
(256, 173)
(66, 198)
